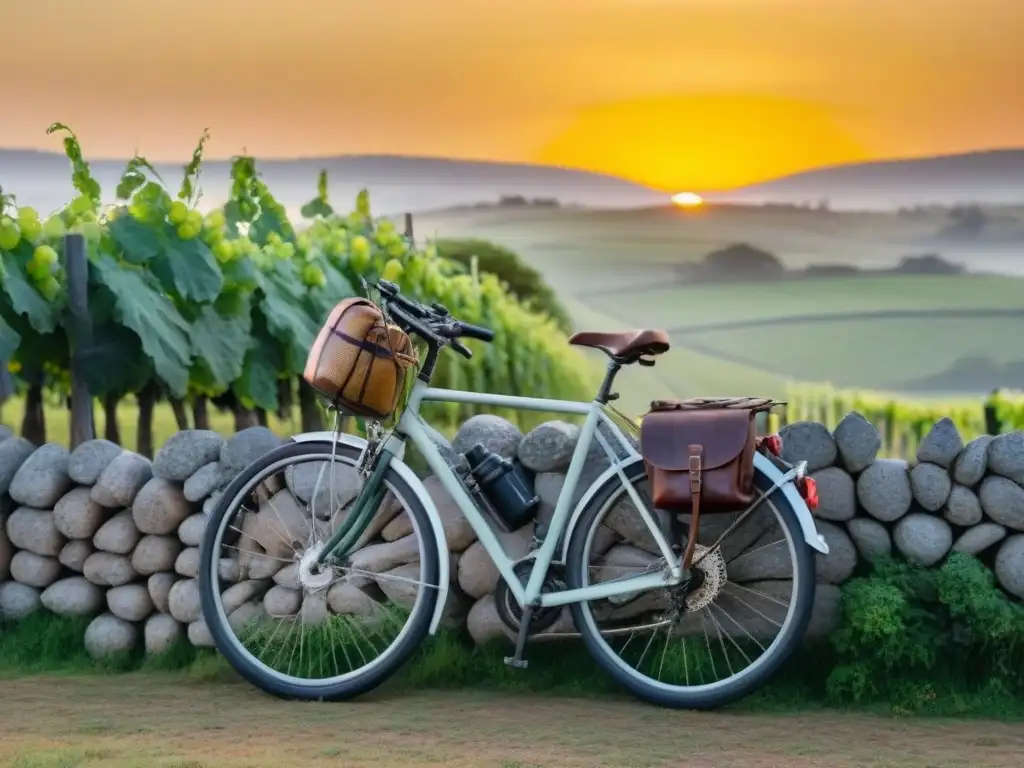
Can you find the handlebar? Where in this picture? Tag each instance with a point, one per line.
(434, 324)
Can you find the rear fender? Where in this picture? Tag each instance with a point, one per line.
(405, 472)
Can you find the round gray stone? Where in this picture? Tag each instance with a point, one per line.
(35, 570)
(192, 530)
(162, 632)
(130, 602)
(77, 516)
(154, 554)
(978, 538)
(75, 553)
(35, 530)
(493, 432)
(870, 537)
(160, 507)
(122, 480)
(1009, 566)
(931, 485)
(43, 478)
(75, 596)
(549, 447)
(1003, 501)
(13, 453)
(1006, 455)
(963, 507)
(118, 535)
(838, 565)
(837, 497)
(18, 601)
(942, 444)
(88, 460)
(808, 441)
(203, 482)
(244, 447)
(923, 539)
(884, 491)
(186, 452)
(6, 550)
(107, 635)
(969, 467)
(857, 442)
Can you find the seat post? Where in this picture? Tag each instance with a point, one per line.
(605, 393)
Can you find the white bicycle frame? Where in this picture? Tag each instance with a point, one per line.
(412, 425)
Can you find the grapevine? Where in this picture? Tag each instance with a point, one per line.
(224, 305)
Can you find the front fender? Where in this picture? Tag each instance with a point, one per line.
(761, 463)
(405, 472)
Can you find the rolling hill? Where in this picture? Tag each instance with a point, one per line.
(992, 177)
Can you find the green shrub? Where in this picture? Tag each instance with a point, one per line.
(929, 639)
(522, 280)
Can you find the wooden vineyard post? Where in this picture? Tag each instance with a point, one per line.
(408, 228)
(76, 267)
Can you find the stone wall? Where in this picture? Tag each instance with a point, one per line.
(103, 532)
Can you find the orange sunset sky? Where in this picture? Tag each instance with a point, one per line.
(676, 94)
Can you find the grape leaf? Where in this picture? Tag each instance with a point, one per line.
(221, 343)
(140, 242)
(115, 361)
(193, 269)
(9, 339)
(26, 300)
(287, 319)
(161, 329)
(258, 383)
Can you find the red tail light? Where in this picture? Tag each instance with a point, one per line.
(773, 443)
(809, 490)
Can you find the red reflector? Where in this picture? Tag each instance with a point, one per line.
(809, 490)
(773, 443)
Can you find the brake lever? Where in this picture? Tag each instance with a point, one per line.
(461, 348)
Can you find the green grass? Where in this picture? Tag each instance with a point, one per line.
(45, 644)
(58, 421)
(892, 355)
(679, 306)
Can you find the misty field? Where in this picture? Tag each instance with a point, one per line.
(921, 335)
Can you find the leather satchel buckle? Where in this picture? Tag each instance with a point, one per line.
(695, 467)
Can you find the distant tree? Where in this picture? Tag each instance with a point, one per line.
(928, 264)
(522, 280)
(740, 261)
(966, 223)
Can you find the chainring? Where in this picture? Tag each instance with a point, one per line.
(511, 613)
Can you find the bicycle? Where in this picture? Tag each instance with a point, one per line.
(305, 535)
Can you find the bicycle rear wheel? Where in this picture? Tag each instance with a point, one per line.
(301, 631)
(750, 606)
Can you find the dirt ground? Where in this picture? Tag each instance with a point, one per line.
(147, 720)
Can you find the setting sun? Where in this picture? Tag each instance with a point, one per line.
(687, 200)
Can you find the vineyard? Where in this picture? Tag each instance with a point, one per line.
(221, 309)
(218, 311)
(903, 423)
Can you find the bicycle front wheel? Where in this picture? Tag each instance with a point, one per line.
(302, 631)
(711, 642)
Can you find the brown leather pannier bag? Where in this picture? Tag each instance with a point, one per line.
(359, 361)
(699, 455)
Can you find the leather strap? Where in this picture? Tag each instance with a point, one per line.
(696, 453)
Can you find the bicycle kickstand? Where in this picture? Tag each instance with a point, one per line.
(517, 660)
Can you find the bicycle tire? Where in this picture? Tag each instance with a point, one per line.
(224, 639)
(729, 691)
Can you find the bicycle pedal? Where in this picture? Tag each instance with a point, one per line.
(517, 660)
